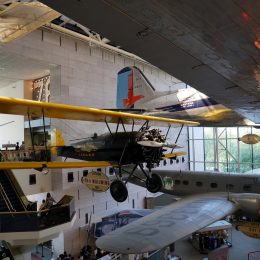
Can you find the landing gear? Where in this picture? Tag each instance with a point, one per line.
(154, 183)
(118, 191)
(118, 188)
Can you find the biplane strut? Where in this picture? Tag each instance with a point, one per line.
(44, 169)
(118, 188)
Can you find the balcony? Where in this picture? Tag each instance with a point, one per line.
(34, 227)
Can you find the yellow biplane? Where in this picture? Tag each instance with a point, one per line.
(112, 149)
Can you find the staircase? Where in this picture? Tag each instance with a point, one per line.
(9, 198)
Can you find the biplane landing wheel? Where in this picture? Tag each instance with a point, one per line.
(118, 191)
(154, 183)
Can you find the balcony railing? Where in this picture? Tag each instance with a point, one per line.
(60, 213)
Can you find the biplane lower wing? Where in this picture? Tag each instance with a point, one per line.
(52, 165)
(38, 109)
(173, 155)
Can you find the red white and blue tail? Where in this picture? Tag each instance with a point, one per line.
(132, 88)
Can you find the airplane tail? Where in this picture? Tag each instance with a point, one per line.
(56, 140)
(132, 87)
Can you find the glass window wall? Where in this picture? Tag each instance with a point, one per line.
(218, 149)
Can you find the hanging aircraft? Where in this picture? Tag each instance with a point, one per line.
(208, 197)
(113, 149)
(136, 94)
(212, 46)
(145, 146)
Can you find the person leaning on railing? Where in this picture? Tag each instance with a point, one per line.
(43, 205)
(49, 201)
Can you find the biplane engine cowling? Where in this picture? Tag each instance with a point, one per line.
(152, 154)
(152, 135)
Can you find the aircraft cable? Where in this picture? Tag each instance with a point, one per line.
(7, 123)
(31, 133)
(144, 126)
(45, 139)
(122, 123)
(177, 137)
(122, 155)
(131, 174)
(108, 128)
(133, 125)
(168, 131)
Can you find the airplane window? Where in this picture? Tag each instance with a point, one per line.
(257, 180)
(32, 179)
(247, 188)
(111, 171)
(185, 182)
(213, 185)
(230, 186)
(70, 177)
(177, 182)
(199, 183)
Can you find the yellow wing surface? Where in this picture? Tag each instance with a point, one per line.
(37, 109)
(51, 165)
(172, 155)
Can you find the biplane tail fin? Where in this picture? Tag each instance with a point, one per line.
(56, 140)
(132, 87)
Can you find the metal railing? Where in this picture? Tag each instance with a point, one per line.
(38, 220)
(6, 199)
(17, 189)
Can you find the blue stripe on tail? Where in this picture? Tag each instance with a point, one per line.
(122, 86)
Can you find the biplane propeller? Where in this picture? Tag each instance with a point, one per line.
(145, 146)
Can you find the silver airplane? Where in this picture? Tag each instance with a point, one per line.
(213, 46)
(208, 197)
(136, 94)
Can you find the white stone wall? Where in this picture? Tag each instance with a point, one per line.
(12, 132)
(85, 75)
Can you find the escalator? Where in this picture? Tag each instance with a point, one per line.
(10, 199)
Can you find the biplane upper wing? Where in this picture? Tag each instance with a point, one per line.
(37, 109)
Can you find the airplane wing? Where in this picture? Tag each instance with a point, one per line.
(51, 165)
(167, 225)
(173, 155)
(62, 111)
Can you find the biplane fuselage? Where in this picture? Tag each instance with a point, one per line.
(120, 147)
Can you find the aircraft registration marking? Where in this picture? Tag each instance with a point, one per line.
(169, 219)
(168, 183)
(86, 154)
